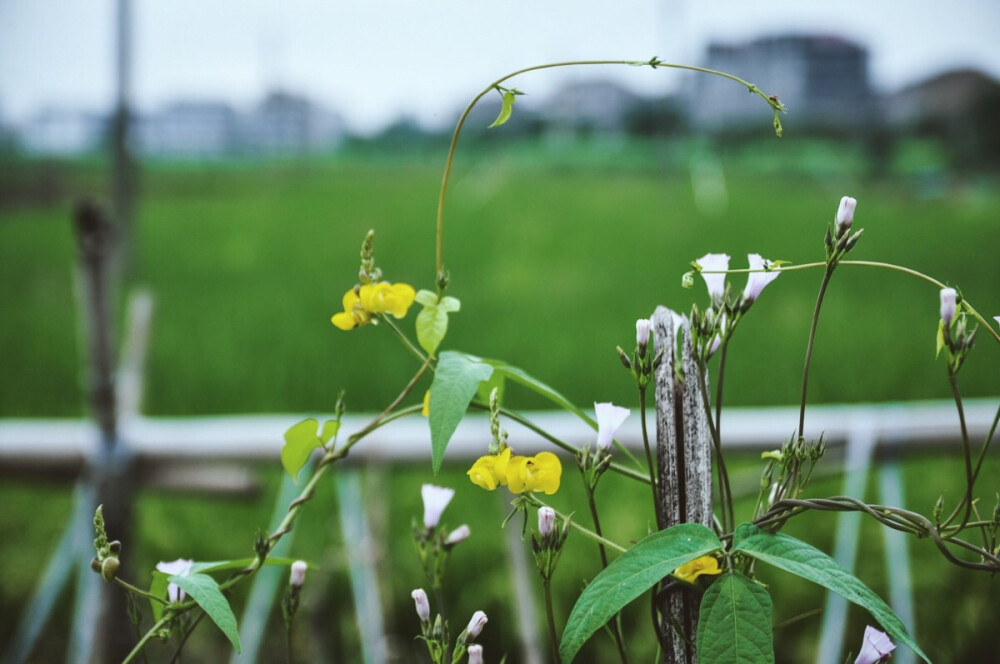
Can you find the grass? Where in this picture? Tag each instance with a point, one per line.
(554, 255)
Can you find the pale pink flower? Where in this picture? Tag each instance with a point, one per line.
(179, 567)
(875, 647)
(757, 280)
(948, 298)
(297, 575)
(459, 534)
(423, 605)
(436, 498)
(475, 654)
(546, 521)
(642, 327)
(609, 418)
(845, 214)
(716, 282)
(476, 624)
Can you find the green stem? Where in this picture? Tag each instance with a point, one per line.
(162, 622)
(439, 255)
(550, 616)
(653, 483)
(966, 451)
(139, 591)
(406, 340)
(586, 532)
(809, 346)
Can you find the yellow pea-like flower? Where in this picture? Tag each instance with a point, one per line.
(386, 298)
(501, 466)
(688, 572)
(354, 314)
(481, 472)
(546, 472)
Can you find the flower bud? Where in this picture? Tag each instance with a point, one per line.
(475, 654)
(436, 498)
(875, 647)
(95, 565)
(459, 534)
(115, 547)
(948, 297)
(297, 575)
(845, 214)
(423, 606)
(623, 357)
(109, 568)
(476, 624)
(642, 327)
(546, 521)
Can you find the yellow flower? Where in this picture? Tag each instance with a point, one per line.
(481, 472)
(353, 315)
(688, 572)
(386, 298)
(541, 472)
(372, 299)
(501, 466)
(426, 410)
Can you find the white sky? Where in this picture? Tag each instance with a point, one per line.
(372, 59)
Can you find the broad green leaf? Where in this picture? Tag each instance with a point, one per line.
(432, 325)
(456, 380)
(735, 623)
(520, 376)
(330, 429)
(240, 563)
(300, 441)
(630, 575)
(426, 297)
(795, 556)
(498, 381)
(158, 588)
(505, 110)
(204, 590)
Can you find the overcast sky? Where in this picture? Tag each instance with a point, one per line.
(373, 59)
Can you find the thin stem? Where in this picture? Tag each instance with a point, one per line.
(653, 483)
(288, 643)
(139, 591)
(162, 622)
(616, 625)
(439, 253)
(586, 532)
(406, 340)
(986, 445)
(718, 386)
(550, 616)
(184, 639)
(597, 526)
(966, 451)
(809, 347)
(726, 497)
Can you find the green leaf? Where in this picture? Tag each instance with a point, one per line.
(505, 110)
(520, 376)
(240, 563)
(940, 339)
(735, 623)
(630, 575)
(300, 441)
(432, 325)
(158, 588)
(498, 381)
(426, 297)
(330, 429)
(456, 380)
(204, 590)
(795, 556)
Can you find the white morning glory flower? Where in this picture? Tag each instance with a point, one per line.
(609, 418)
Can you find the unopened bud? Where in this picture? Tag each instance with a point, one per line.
(476, 624)
(297, 575)
(624, 358)
(687, 281)
(642, 327)
(845, 214)
(475, 654)
(423, 606)
(109, 568)
(948, 298)
(115, 547)
(546, 521)
(459, 534)
(95, 565)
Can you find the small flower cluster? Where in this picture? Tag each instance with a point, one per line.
(548, 545)
(541, 472)
(364, 302)
(435, 633)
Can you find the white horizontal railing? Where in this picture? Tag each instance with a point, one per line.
(65, 445)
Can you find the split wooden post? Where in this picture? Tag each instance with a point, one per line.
(684, 457)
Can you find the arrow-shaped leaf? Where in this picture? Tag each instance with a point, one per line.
(204, 590)
(734, 626)
(456, 380)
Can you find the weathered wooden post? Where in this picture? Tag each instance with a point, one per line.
(684, 456)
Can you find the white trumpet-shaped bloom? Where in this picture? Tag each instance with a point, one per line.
(716, 282)
(179, 567)
(436, 498)
(757, 280)
(875, 647)
(609, 418)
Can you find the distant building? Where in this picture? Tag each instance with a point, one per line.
(291, 124)
(188, 129)
(822, 80)
(59, 132)
(945, 98)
